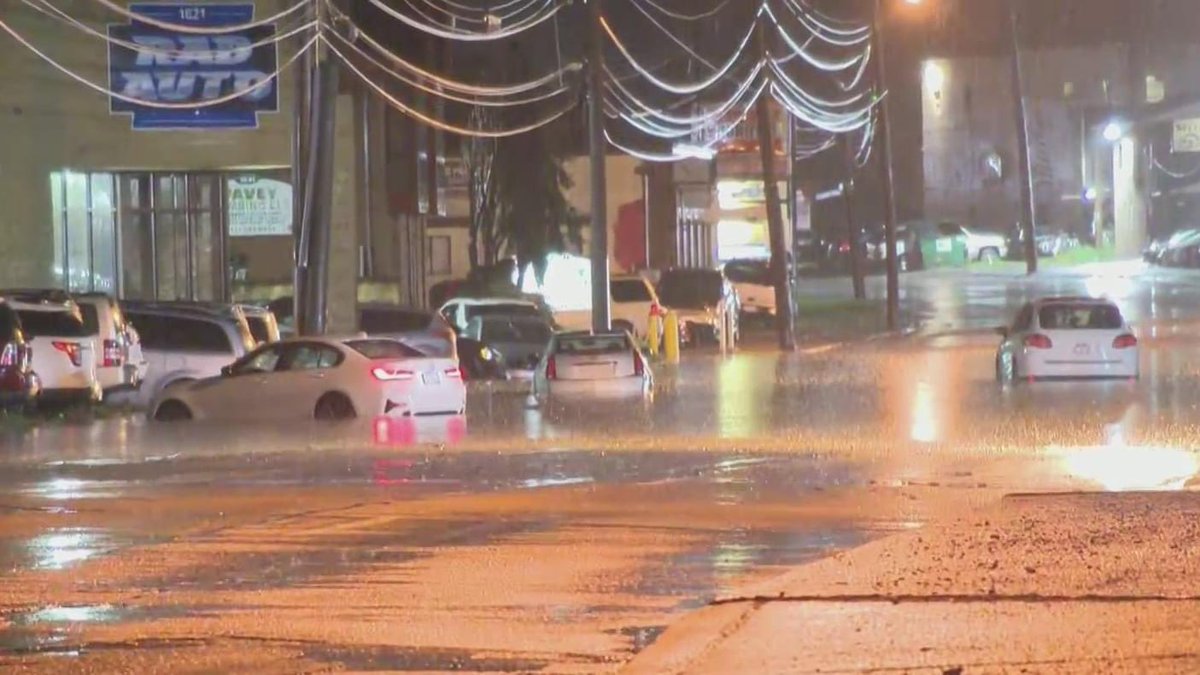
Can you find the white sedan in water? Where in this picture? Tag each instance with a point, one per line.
(321, 378)
(586, 363)
(1068, 338)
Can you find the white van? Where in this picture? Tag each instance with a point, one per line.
(64, 355)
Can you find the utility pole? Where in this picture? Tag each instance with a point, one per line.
(852, 229)
(316, 232)
(301, 145)
(889, 197)
(785, 323)
(601, 318)
(1028, 228)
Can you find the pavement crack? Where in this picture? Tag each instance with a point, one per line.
(982, 598)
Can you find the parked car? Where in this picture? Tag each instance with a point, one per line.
(1066, 337)
(755, 288)
(19, 386)
(703, 299)
(460, 311)
(185, 343)
(935, 244)
(263, 325)
(634, 301)
(1172, 251)
(64, 354)
(587, 364)
(426, 331)
(811, 251)
(1053, 242)
(121, 362)
(985, 246)
(324, 379)
(520, 340)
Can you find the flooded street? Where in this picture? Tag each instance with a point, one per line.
(565, 539)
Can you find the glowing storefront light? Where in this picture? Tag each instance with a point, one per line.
(924, 414)
(567, 284)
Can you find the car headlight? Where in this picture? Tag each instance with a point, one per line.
(487, 354)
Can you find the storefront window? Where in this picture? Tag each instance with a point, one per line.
(85, 238)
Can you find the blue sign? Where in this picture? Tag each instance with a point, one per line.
(181, 68)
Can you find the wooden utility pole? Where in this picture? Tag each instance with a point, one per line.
(1028, 226)
(852, 229)
(601, 317)
(785, 323)
(889, 197)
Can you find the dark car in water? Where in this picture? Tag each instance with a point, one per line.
(18, 383)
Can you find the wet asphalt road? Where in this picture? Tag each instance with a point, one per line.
(562, 540)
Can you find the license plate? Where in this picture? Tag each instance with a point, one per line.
(1083, 349)
(431, 378)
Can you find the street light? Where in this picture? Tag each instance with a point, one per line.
(1113, 131)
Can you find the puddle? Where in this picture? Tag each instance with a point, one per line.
(407, 659)
(45, 630)
(699, 575)
(62, 548)
(641, 637)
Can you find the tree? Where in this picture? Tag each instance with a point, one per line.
(534, 218)
(478, 159)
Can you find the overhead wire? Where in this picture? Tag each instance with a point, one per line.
(48, 9)
(269, 79)
(469, 36)
(685, 17)
(411, 111)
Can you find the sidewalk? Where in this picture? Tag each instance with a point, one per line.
(1053, 583)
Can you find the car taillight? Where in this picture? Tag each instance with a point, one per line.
(657, 310)
(844, 247)
(1124, 341)
(112, 354)
(551, 368)
(639, 367)
(455, 373)
(72, 350)
(391, 373)
(1038, 342)
(8, 357)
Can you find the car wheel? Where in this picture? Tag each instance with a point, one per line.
(1006, 370)
(334, 407)
(172, 411)
(989, 255)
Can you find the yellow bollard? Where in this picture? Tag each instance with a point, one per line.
(654, 334)
(671, 338)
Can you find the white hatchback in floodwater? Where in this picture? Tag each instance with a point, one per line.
(325, 379)
(1068, 338)
(586, 363)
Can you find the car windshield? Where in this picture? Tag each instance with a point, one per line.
(698, 289)
(383, 349)
(1080, 317)
(588, 345)
(756, 272)
(515, 309)
(376, 321)
(496, 329)
(39, 323)
(630, 290)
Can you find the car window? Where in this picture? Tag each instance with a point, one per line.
(260, 328)
(758, 273)
(91, 318)
(584, 345)
(54, 324)
(513, 309)
(383, 349)
(181, 334)
(1080, 316)
(392, 321)
(630, 290)
(309, 357)
(264, 360)
(8, 324)
(691, 289)
(500, 330)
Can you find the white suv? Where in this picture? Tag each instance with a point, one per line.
(64, 355)
(120, 363)
(634, 301)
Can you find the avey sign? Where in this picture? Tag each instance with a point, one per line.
(259, 207)
(190, 68)
(1186, 137)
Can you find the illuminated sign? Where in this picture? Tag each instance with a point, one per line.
(259, 207)
(1187, 136)
(741, 194)
(184, 68)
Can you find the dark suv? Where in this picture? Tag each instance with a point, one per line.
(18, 384)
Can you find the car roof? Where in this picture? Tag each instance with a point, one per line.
(492, 301)
(1073, 299)
(42, 306)
(180, 313)
(37, 295)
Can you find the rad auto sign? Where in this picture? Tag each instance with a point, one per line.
(181, 68)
